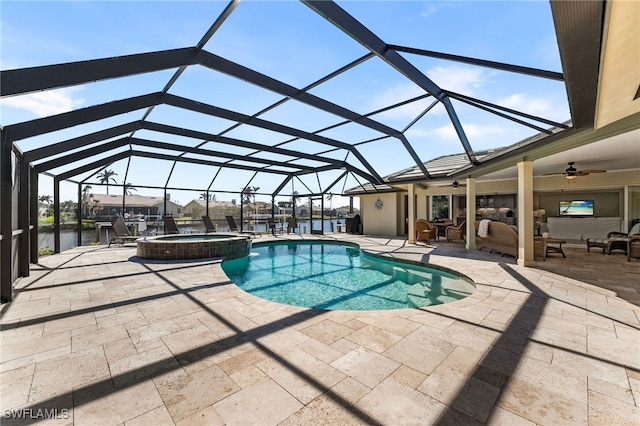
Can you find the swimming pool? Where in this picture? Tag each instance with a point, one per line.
(339, 276)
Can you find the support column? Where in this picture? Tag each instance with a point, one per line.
(24, 219)
(470, 236)
(34, 215)
(6, 231)
(79, 213)
(56, 216)
(411, 214)
(525, 214)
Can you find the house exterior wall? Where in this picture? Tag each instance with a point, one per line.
(606, 189)
(620, 73)
(379, 221)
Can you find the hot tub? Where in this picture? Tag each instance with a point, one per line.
(194, 246)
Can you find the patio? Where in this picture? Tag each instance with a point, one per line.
(97, 336)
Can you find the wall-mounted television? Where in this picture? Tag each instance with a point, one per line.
(576, 208)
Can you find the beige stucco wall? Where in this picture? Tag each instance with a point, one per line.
(382, 221)
(620, 74)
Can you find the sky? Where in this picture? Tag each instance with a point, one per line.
(290, 42)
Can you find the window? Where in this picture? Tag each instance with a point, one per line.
(440, 206)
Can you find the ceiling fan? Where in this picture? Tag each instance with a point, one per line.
(572, 173)
(456, 184)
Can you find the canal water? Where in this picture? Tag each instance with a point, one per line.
(69, 237)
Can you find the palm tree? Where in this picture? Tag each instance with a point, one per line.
(107, 176)
(295, 197)
(128, 188)
(249, 194)
(45, 199)
(207, 196)
(87, 196)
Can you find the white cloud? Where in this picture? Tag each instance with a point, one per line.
(46, 103)
(534, 106)
(473, 131)
(454, 78)
(428, 11)
(459, 79)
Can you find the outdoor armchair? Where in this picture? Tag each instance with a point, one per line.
(456, 233)
(426, 231)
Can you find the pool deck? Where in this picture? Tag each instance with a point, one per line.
(98, 336)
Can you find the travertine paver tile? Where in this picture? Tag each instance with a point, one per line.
(584, 365)
(34, 345)
(469, 395)
(192, 393)
(263, 403)
(106, 335)
(393, 403)
(547, 376)
(325, 410)
(15, 386)
(142, 365)
(399, 326)
(604, 410)
(541, 406)
(101, 403)
(302, 375)
(153, 330)
(462, 359)
(327, 331)
(462, 334)
(374, 338)
(119, 349)
(248, 376)
(559, 339)
(420, 351)
(64, 373)
(206, 417)
(68, 323)
(606, 344)
(158, 417)
(242, 360)
(502, 417)
(367, 367)
(621, 393)
(408, 376)
(319, 350)
(35, 358)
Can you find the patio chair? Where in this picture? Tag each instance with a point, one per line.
(456, 233)
(121, 232)
(614, 241)
(170, 225)
(292, 224)
(426, 231)
(633, 247)
(234, 228)
(273, 226)
(210, 226)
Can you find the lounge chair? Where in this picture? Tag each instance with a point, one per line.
(614, 241)
(210, 227)
(121, 232)
(456, 233)
(170, 225)
(426, 231)
(234, 228)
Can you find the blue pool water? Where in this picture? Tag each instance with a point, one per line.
(340, 277)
